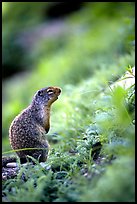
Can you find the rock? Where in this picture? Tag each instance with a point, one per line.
(11, 165)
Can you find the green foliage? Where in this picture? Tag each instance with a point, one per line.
(92, 130)
(23, 16)
(70, 172)
(114, 184)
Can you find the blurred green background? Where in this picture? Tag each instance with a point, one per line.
(80, 47)
(43, 46)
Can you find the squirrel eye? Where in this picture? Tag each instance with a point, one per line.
(40, 93)
(50, 91)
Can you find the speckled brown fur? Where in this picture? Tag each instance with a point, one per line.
(28, 129)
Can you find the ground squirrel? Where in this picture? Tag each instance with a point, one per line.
(28, 129)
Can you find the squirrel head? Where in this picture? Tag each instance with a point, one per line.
(46, 96)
